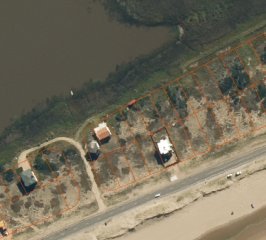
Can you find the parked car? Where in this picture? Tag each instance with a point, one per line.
(157, 195)
(229, 175)
(238, 173)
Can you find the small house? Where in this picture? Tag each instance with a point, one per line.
(102, 132)
(165, 148)
(94, 149)
(28, 178)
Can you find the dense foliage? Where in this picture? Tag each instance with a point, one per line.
(203, 20)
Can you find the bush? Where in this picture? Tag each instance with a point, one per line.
(9, 175)
(262, 91)
(41, 165)
(240, 76)
(2, 168)
(226, 85)
(263, 56)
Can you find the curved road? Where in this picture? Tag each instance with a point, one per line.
(172, 188)
(22, 159)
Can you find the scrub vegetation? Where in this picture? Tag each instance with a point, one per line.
(63, 187)
(202, 20)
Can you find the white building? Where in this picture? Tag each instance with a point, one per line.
(165, 146)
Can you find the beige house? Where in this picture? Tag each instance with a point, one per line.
(102, 132)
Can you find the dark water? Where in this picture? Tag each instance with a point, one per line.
(250, 227)
(48, 47)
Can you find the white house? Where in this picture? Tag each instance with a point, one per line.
(165, 146)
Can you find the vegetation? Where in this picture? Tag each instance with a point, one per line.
(263, 56)
(9, 175)
(226, 85)
(240, 76)
(44, 166)
(179, 101)
(62, 116)
(41, 165)
(2, 169)
(262, 91)
(202, 20)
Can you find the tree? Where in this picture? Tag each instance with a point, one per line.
(9, 175)
(41, 165)
(263, 56)
(2, 168)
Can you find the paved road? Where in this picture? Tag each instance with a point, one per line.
(172, 188)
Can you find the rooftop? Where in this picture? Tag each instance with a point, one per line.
(28, 177)
(165, 146)
(102, 131)
(94, 146)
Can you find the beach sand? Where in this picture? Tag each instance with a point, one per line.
(249, 227)
(213, 212)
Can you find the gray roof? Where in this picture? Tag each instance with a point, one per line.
(94, 147)
(28, 178)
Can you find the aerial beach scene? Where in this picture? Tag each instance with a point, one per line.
(133, 119)
(215, 214)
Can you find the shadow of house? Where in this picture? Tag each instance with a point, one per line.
(94, 156)
(21, 188)
(158, 158)
(104, 140)
(162, 158)
(28, 181)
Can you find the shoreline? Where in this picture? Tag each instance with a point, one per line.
(244, 228)
(210, 216)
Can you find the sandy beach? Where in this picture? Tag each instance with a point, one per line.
(213, 212)
(249, 227)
